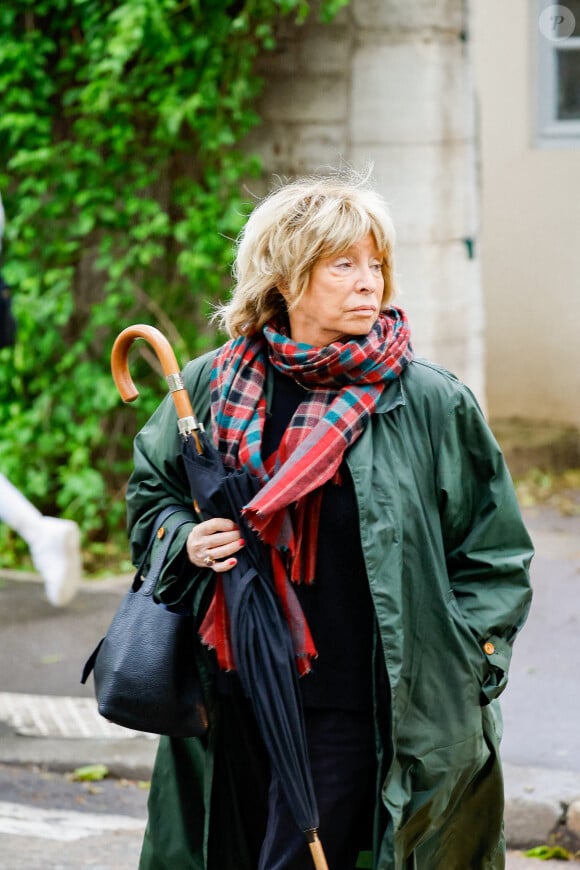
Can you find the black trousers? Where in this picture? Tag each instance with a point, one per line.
(342, 752)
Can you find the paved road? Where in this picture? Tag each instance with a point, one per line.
(43, 648)
(542, 704)
(49, 823)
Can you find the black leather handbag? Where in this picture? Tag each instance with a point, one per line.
(145, 670)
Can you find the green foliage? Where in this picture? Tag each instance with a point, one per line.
(121, 175)
(548, 853)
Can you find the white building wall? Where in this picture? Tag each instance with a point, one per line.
(389, 81)
(530, 230)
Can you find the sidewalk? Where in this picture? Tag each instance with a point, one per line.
(48, 718)
(541, 706)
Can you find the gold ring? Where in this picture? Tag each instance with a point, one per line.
(207, 560)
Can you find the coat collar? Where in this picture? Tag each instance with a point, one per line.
(392, 396)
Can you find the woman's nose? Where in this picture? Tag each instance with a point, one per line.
(366, 280)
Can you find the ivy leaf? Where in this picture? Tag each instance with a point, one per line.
(122, 174)
(90, 773)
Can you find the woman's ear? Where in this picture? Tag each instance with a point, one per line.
(283, 291)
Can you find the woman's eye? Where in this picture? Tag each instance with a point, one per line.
(376, 266)
(341, 264)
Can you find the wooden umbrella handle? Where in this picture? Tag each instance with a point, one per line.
(166, 356)
(317, 852)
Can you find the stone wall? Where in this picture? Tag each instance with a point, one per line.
(389, 82)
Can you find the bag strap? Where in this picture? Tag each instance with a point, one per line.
(166, 537)
(146, 586)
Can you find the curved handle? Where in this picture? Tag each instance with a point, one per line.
(166, 356)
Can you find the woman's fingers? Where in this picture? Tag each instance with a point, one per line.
(214, 543)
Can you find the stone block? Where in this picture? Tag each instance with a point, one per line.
(294, 149)
(317, 147)
(529, 821)
(440, 277)
(534, 798)
(573, 817)
(440, 289)
(400, 15)
(309, 48)
(272, 143)
(305, 99)
(431, 188)
(325, 50)
(411, 92)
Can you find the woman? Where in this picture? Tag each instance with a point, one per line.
(387, 504)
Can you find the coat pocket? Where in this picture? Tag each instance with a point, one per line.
(437, 781)
(472, 651)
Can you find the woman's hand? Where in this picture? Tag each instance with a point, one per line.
(213, 543)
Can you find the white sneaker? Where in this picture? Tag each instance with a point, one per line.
(56, 554)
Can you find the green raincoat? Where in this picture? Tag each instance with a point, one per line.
(447, 559)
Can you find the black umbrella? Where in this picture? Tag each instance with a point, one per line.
(260, 637)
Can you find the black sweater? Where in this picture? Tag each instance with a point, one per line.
(338, 605)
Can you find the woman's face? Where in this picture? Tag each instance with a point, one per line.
(343, 297)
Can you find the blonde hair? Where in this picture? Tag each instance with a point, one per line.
(288, 232)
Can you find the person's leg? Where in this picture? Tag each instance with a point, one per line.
(343, 764)
(16, 511)
(54, 543)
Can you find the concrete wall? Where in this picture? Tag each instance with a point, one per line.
(530, 230)
(389, 81)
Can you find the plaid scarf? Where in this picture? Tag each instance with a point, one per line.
(343, 383)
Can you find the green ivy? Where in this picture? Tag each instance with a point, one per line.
(121, 174)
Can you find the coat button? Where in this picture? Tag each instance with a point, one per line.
(488, 648)
(160, 532)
